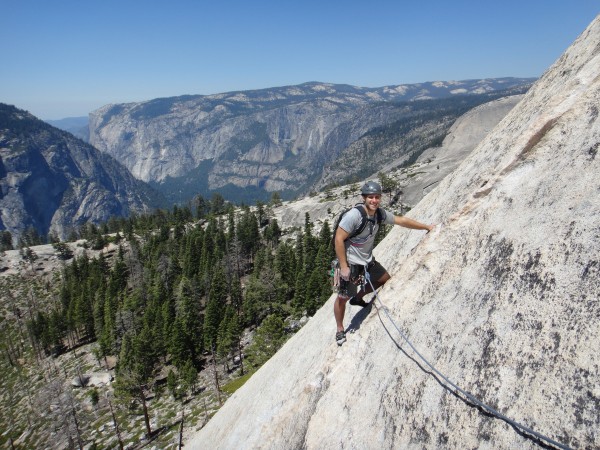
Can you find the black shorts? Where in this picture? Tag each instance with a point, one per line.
(349, 288)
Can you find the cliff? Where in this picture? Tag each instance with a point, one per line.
(502, 299)
(54, 182)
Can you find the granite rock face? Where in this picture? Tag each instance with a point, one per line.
(502, 298)
(54, 182)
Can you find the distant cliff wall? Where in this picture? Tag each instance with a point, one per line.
(282, 139)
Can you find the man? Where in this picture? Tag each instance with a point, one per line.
(355, 252)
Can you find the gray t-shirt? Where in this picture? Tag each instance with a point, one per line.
(359, 249)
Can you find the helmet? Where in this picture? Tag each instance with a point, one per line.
(371, 187)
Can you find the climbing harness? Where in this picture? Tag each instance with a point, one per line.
(457, 389)
(357, 275)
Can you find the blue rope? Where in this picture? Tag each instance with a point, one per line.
(458, 389)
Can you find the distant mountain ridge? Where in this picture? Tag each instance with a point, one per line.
(285, 139)
(54, 182)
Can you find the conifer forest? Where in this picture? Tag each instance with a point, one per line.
(188, 304)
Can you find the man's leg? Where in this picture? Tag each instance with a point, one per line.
(377, 283)
(378, 275)
(339, 309)
(345, 291)
(357, 300)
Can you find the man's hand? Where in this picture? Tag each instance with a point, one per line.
(345, 273)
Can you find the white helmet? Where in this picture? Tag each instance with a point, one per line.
(370, 188)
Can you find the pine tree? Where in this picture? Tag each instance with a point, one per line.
(189, 376)
(325, 236)
(261, 216)
(83, 311)
(134, 371)
(107, 341)
(193, 253)
(188, 323)
(248, 233)
(235, 292)
(117, 281)
(5, 241)
(30, 237)
(63, 251)
(200, 205)
(285, 264)
(254, 301)
(272, 233)
(388, 184)
(167, 314)
(29, 256)
(235, 333)
(215, 308)
(318, 287)
(217, 204)
(231, 229)
(309, 245)
(300, 292)
(172, 383)
(299, 248)
(220, 240)
(146, 356)
(269, 337)
(261, 260)
(179, 347)
(210, 256)
(154, 316)
(275, 199)
(224, 338)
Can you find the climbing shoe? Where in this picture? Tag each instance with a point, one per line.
(358, 302)
(340, 337)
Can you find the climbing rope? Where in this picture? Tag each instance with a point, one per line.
(473, 399)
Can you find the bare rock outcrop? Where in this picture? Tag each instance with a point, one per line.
(502, 298)
(465, 134)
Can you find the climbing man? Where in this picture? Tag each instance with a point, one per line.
(354, 240)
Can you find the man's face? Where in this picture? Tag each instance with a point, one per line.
(372, 202)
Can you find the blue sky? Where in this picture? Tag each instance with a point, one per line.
(66, 58)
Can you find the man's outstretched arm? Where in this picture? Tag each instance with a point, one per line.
(413, 224)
